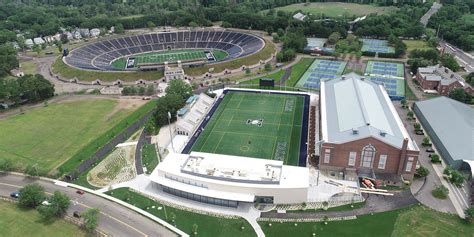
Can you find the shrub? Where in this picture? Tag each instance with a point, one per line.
(435, 159)
(440, 192)
(31, 195)
(469, 212)
(426, 141)
(417, 126)
(422, 172)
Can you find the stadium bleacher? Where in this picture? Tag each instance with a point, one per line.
(99, 55)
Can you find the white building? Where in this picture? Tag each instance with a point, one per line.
(77, 34)
(175, 72)
(191, 116)
(299, 16)
(29, 43)
(94, 32)
(229, 180)
(85, 32)
(38, 40)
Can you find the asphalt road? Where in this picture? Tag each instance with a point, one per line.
(114, 219)
(464, 59)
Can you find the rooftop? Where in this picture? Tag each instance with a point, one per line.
(353, 108)
(442, 113)
(442, 74)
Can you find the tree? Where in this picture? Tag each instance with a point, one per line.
(422, 172)
(193, 24)
(59, 44)
(150, 25)
(35, 87)
(426, 141)
(6, 165)
(440, 192)
(32, 170)
(460, 95)
(141, 90)
(334, 37)
(469, 213)
(59, 203)
(150, 90)
(91, 219)
(31, 195)
(450, 62)
(118, 28)
(410, 114)
(168, 103)
(268, 67)
(180, 88)
(247, 71)
(37, 49)
(435, 159)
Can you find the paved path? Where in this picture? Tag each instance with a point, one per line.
(374, 204)
(434, 8)
(422, 188)
(114, 218)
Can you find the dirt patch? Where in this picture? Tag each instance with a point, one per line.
(126, 104)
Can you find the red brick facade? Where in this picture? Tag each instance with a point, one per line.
(397, 160)
(436, 85)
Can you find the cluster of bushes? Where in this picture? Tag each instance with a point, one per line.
(453, 176)
(29, 88)
(440, 192)
(138, 90)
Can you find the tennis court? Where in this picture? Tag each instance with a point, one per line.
(321, 70)
(390, 74)
(171, 56)
(376, 46)
(259, 125)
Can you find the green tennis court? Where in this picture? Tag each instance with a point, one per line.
(170, 56)
(258, 125)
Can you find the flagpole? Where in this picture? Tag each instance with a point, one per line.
(171, 136)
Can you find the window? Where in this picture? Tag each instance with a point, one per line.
(382, 161)
(327, 157)
(368, 154)
(352, 158)
(409, 165)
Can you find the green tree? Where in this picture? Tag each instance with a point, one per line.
(440, 192)
(410, 114)
(180, 88)
(450, 62)
(469, 213)
(31, 195)
(334, 37)
(118, 28)
(460, 95)
(435, 159)
(141, 90)
(150, 25)
(268, 67)
(59, 44)
(422, 172)
(193, 24)
(150, 90)
(32, 170)
(168, 103)
(91, 219)
(247, 71)
(426, 141)
(37, 49)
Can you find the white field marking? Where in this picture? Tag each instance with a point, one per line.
(127, 144)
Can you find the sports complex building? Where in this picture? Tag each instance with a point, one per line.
(361, 132)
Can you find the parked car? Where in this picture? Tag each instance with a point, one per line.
(76, 214)
(419, 132)
(430, 150)
(15, 195)
(80, 192)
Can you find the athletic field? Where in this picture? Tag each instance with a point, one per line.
(266, 126)
(169, 56)
(390, 74)
(320, 70)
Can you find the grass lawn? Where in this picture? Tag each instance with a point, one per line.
(28, 67)
(15, 221)
(149, 157)
(411, 221)
(184, 220)
(277, 137)
(66, 72)
(48, 136)
(275, 76)
(416, 44)
(298, 70)
(336, 9)
(409, 95)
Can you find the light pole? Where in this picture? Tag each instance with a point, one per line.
(171, 136)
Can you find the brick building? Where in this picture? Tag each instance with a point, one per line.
(441, 79)
(361, 132)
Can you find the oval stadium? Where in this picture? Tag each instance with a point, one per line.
(150, 51)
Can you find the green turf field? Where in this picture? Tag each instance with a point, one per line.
(170, 56)
(277, 138)
(48, 136)
(15, 221)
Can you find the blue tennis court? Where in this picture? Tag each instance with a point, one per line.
(320, 70)
(376, 46)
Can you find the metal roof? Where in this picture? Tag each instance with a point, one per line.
(352, 109)
(453, 123)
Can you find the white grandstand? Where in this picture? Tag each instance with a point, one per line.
(192, 115)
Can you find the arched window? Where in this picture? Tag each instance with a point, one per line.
(368, 154)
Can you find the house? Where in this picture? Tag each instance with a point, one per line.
(69, 35)
(441, 79)
(77, 34)
(299, 16)
(85, 33)
(38, 41)
(94, 32)
(362, 134)
(29, 43)
(450, 126)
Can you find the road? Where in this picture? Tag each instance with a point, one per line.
(114, 219)
(434, 8)
(464, 59)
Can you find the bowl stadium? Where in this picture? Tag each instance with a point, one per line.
(150, 51)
